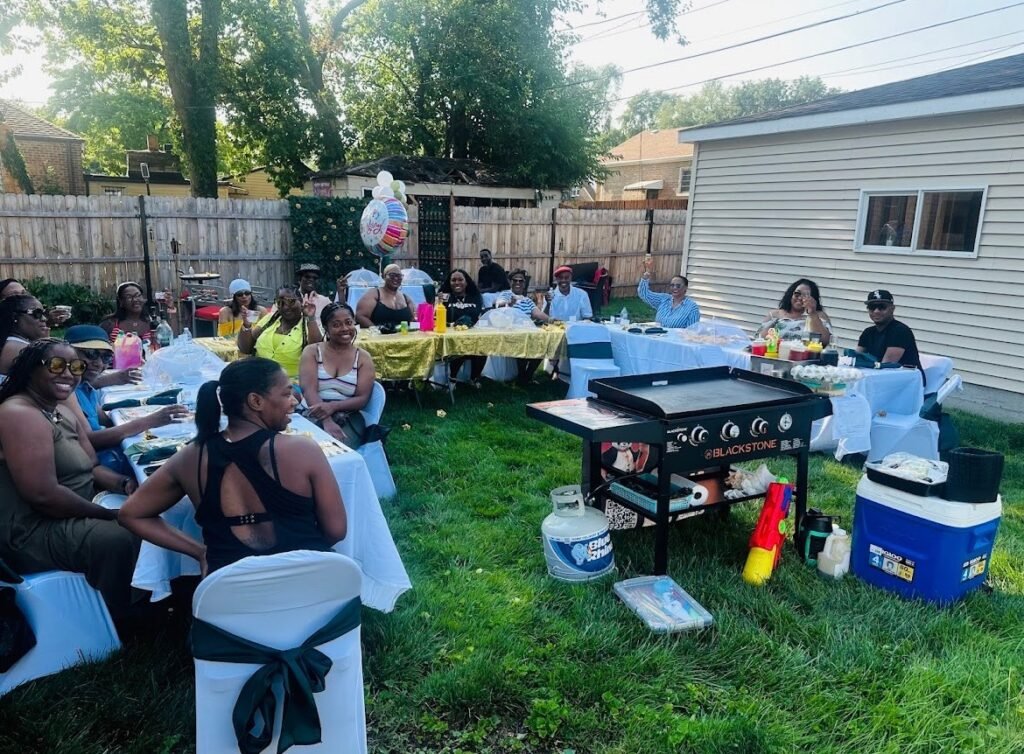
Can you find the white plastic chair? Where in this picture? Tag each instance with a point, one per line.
(373, 452)
(279, 601)
(589, 346)
(70, 621)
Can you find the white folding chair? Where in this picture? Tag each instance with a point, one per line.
(279, 601)
(70, 622)
(937, 369)
(373, 452)
(590, 356)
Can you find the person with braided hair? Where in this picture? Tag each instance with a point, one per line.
(256, 492)
(281, 335)
(49, 475)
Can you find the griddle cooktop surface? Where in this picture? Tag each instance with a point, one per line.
(694, 391)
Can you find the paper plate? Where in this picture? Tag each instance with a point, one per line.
(111, 500)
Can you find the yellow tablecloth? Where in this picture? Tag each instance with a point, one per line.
(225, 349)
(534, 343)
(401, 356)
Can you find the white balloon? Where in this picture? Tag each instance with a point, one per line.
(378, 192)
(384, 178)
(386, 192)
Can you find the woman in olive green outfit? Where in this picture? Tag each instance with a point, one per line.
(48, 476)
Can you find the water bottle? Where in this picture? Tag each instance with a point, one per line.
(624, 316)
(185, 337)
(164, 334)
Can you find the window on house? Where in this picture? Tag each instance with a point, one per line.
(367, 193)
(684, 179)
(113, 191)
(924, 221)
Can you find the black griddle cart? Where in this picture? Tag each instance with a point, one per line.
(693, 423)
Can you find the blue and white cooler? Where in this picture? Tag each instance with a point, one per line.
(920, 546)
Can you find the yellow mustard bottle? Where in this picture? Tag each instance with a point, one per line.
(440, 316)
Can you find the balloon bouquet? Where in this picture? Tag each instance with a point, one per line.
(384, 225)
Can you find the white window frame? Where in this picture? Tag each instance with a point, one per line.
(110, 190)
(680, 191)
(862, 215)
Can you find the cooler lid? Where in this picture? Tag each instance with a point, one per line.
(934, 509)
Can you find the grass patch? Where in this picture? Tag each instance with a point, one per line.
(487, 654)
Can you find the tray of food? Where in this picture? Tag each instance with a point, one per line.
(826, 380)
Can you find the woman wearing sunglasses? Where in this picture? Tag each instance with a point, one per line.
(801, 299)
(385, 306)
(672, 309)
(243, 308)
(282, 335)
(22, 320)
(48, 476)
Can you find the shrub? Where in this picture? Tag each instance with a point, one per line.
(326, 232)
(87, 307)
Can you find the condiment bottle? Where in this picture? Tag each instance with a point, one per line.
(440, 316)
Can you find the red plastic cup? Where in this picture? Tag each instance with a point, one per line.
(758, 348)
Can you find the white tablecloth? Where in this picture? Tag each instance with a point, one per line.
(368, 542)
(414, 292)
(635, 353)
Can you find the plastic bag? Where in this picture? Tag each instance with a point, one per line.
(717, 333)
(183, 362)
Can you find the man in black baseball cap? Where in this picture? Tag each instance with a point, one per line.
(888, 339)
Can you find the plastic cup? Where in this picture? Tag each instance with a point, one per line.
(758, 348)
(252, 316)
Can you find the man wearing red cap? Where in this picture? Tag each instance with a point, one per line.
(567, 302)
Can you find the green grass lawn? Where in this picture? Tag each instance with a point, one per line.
(488, 654)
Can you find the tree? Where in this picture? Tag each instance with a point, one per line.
(446, 78)
(715, 102)
(190, 50)
(640, 114)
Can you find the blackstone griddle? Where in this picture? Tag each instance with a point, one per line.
(693, 424)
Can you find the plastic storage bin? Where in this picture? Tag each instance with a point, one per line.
(662, 604)
(925, 547)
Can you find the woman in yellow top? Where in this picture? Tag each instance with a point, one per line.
(234, 315)
(281, 335)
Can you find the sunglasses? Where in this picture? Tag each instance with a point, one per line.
(244, 293)
(877, 307)
(57, 365)
(283, 302)
(95, 354)
(39, 314)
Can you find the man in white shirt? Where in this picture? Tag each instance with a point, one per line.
(568, 303)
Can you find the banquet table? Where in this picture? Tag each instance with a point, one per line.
(225, 349)
(524, 343)
(636, 353)
(368, 542)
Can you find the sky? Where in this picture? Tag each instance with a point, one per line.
(617, 32)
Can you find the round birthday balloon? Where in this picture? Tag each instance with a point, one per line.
(384, 226)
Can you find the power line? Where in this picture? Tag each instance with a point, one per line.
(735, 46)
(832, 51)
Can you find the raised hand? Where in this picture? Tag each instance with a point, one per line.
(309, 305)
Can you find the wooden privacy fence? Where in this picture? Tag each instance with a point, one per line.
(100, 241)
(539, 239)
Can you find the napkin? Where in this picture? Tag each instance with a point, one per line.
(166, 398)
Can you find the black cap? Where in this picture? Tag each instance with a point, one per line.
(879, 295)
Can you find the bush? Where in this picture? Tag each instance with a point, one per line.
(326, 232)
(87, 307)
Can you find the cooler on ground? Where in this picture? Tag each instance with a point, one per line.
(918, 546)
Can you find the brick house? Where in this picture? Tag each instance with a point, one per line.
(649, 165)
(53, 155)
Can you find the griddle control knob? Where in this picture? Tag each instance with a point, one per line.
(758, 427)
(698, 436)
(730, 431)
(785, 422)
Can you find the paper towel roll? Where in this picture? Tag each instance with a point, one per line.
(699, 495)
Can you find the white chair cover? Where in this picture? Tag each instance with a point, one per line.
(585, 369)
(279, 601)
(937, 369)
(907, 433)
(373, 452)
(70, 621)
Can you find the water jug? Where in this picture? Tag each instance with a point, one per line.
(164, 334)
(425, 316)
(834, 560)
(128, 351)
(577, 546)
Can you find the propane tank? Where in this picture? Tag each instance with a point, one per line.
(577, 545)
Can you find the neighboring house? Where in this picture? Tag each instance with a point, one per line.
(256, 184)
(154, 171)
(915, 186)
(468, 182)
(52, 155)
(649, 165)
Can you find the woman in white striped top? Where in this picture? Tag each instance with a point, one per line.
(337, 377)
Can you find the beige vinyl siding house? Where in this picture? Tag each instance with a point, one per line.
(774, 201)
